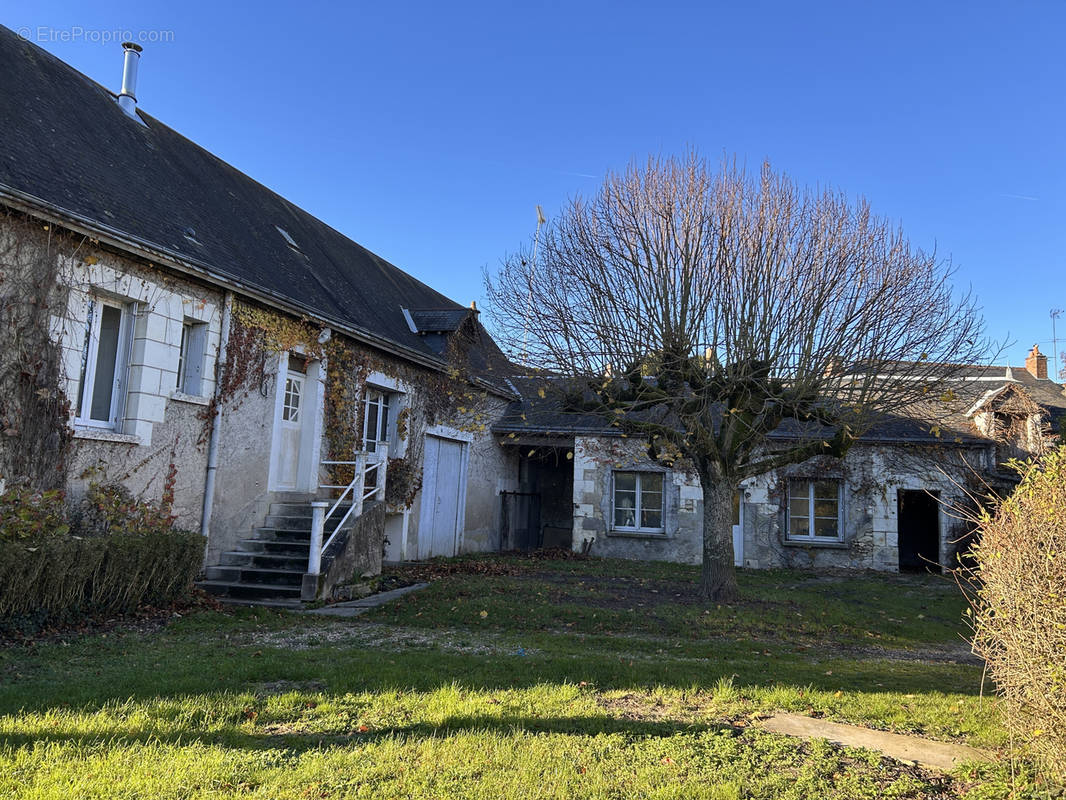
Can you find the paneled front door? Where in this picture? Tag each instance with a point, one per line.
(293, 417)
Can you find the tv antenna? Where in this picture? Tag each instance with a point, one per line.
(1055, 314)
(541, 219)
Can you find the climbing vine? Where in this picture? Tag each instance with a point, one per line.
(35, 435)
(448, 396)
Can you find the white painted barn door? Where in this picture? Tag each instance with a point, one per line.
(442, 497)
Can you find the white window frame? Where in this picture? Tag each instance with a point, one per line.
(810, 535)
(639, 493)
(191, 351)
(292, 403)
(382, 400)
(183, 355)
(90, 354)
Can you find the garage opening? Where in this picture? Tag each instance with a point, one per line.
(541, 513)
(919, 531)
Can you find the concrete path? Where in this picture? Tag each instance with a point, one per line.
(924, 752)
(353, 608)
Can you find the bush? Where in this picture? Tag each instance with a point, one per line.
(112, 508)
(1020, 608)
(54, 578)
(25, 514)
(125, 554)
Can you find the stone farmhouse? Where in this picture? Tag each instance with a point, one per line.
(312, 409)
(892, 503)
(225, 348)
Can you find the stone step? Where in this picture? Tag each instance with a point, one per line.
(299, 523)
(256, 575)
(302, 509)
(249, 591)
(276, 535)
(285, 561)
(288, 523)
(295, 549)
(291, 509)
(268, 569)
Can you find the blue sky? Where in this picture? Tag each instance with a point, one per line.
(429, 131)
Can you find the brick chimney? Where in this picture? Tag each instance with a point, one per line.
(1036, 363)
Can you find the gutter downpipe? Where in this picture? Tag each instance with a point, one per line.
(216, 421)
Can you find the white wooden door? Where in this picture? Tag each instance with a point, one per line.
(291, 422)
(738, 529)
(442, 498)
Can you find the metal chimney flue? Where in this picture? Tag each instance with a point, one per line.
(127, 97)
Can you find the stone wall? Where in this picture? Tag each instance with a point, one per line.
(354, 553)
(595, 459)
(159, 437)
(244, 490)
(490, 470)
(871, 477)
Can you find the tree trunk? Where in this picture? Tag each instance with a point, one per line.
(719, 583)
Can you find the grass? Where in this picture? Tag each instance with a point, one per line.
(511, 677)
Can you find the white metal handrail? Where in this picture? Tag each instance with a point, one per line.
(321, 510)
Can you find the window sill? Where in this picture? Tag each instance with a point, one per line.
(105, 435)
(194, 399)
(639, 534)
(829, 544)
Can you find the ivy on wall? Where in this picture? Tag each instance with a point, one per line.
(258, 334)
(35, 432)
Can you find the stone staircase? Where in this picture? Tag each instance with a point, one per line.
(268, 569)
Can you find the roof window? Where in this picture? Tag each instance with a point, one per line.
(288, 239)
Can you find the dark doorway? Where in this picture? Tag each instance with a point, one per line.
(919, 531)
(521, 521)
(541, 512)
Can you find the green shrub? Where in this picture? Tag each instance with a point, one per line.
(25, 514)
(58, 577)
(125, 554)
(111, 508)
(1020, 608)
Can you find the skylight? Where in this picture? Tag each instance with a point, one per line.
(288, 239)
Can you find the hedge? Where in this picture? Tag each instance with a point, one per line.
(47, 578)
(1020, 609)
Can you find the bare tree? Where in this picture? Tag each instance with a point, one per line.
(706, 309)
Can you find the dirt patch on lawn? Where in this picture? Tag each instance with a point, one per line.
(513, 563)
(617, 593)
(284, 687)
(645, 708)
(386, 637)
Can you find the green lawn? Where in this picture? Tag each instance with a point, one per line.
(511, 678)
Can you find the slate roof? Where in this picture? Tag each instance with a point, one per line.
(66, 145)
(1047, 394)
(439, 320)
(540, 411)
(534, 414)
